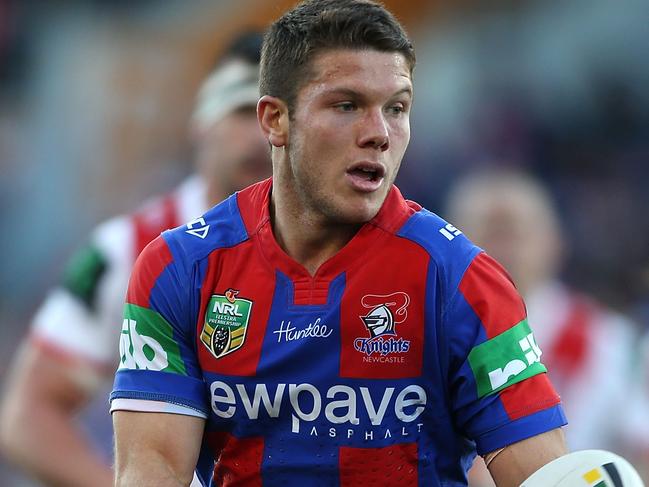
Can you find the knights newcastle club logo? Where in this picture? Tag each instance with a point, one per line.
(226, 322)
(385, 311)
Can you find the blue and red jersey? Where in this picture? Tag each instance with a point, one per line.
(407, 351)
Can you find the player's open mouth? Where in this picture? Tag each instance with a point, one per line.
(366, 176)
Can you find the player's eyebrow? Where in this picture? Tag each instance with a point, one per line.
(407, 90)
(358, 95)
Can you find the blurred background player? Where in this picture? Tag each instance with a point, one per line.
(587, 347)
(70, 354)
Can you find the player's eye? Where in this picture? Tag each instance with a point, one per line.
(346, 106)
(396, 109)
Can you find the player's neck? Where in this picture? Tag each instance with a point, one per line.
(306, 238)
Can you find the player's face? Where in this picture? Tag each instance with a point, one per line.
(233, 153)
(348, 133)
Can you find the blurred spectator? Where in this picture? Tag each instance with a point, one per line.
(73, 345)
(587, 348)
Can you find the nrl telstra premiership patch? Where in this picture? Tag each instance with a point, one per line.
(226, 322)
(506, 359)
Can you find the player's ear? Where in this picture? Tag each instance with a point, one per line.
(272, 114)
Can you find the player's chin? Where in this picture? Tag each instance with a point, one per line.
(360, 210)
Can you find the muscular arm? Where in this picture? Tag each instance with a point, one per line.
(519, 460)
(38, 431)
(156, 449)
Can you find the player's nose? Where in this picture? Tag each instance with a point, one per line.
(374, 130)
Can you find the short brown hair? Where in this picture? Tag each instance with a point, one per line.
(315, 25)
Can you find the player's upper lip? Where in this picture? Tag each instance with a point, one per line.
(376, 168)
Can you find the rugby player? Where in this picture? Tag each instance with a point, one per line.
(323, 330)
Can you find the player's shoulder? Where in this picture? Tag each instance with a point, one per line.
(441, 240)
(446, 244)
(220, 227)
(225, 225)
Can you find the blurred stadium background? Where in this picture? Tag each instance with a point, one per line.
(95, 97)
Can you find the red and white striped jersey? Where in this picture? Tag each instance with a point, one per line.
(588, 350)
(80, 319)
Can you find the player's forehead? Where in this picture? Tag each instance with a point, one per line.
(365, 71)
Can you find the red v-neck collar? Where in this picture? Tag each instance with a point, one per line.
(254, 205)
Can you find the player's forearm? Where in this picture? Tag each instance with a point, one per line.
(519, 460)
(46, 444)
(156, 449)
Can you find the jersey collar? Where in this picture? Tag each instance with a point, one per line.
(254, 205)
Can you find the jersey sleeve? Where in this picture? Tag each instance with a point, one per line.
(79, 318)
(158, 360)
(499, 389)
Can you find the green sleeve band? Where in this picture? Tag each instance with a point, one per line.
(147, 342)
(506, 359)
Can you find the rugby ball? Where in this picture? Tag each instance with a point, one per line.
(586, 468)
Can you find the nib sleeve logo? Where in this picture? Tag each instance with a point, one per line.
(385, 311)
(226, 322)
(147, 342)
(506, 359)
